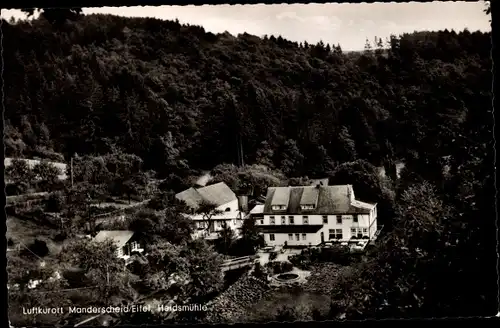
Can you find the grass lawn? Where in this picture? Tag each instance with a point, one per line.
(26, 231)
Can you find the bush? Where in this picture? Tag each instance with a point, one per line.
(38, 248)
(10, 242)
(258, 271)
(55, 203)
(273, 256)
(336, 254)
(279, 267)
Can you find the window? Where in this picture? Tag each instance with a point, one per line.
(365, 230)
(271, 217)
(305, 220)
(355, 218)
(228, 209)
(303, 236)
(339, 219)
(219, 224)
(325, 219)
(297, 237)
(353, 231)
(335, 234)
(134, 245)
(271, 237)
(338, 233)
(290, 220)
(283, 220)
(290, 236)
(262, 221)
(271, 220)
(307, 207)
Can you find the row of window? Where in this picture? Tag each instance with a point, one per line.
(305, 219)
(332, 234)
(359, 231)
(290, 237)
(217, 224)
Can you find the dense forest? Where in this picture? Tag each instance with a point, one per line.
(184, 100)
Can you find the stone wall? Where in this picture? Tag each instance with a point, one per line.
(232, 303)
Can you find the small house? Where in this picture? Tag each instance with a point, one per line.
(127, 242)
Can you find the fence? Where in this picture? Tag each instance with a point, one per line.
(237, 263)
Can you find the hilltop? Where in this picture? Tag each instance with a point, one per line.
(172, 94)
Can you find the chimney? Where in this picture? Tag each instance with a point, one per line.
(350, 193)
(243, 203)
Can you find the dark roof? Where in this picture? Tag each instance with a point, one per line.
(309, 196)
(331, 200)
(290, 228)
(190, 196)
(217, 194)
(281, 196)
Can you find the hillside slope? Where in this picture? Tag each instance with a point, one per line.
(168, 92)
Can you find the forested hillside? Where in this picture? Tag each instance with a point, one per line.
(166, 92)
(184, 100)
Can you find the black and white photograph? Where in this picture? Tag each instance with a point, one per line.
(228, 164)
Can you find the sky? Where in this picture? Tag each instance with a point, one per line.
(346, 24)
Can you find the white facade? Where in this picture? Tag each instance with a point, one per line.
(230, 215)
(334, 227)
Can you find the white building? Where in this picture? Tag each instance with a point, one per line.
(126, 242)
(312, 215)
(224, 201)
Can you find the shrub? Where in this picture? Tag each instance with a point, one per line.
(55, 203)
(38, 248)
(336, 254)
(10, 242)
(258, 271)
(273, 256)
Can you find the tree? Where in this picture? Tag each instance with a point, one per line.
(102, 267)
(47, 174)
(55, 16)
(368, 186)
(292, 158)
(192, 269)
(208, 211)
(20, 174)
(49, 292)
(250, 239)
(265, 155)
(227, 237)
(368, 47)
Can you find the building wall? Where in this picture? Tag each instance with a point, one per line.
(230, 214)
(281, 238)
(366, 222)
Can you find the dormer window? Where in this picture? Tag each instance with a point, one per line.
(279, 207)
(228, 209)
(307, 207)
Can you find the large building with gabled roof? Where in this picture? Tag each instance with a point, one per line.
(313, 215)
(223, 199)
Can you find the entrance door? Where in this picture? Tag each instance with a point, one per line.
(322, 237)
